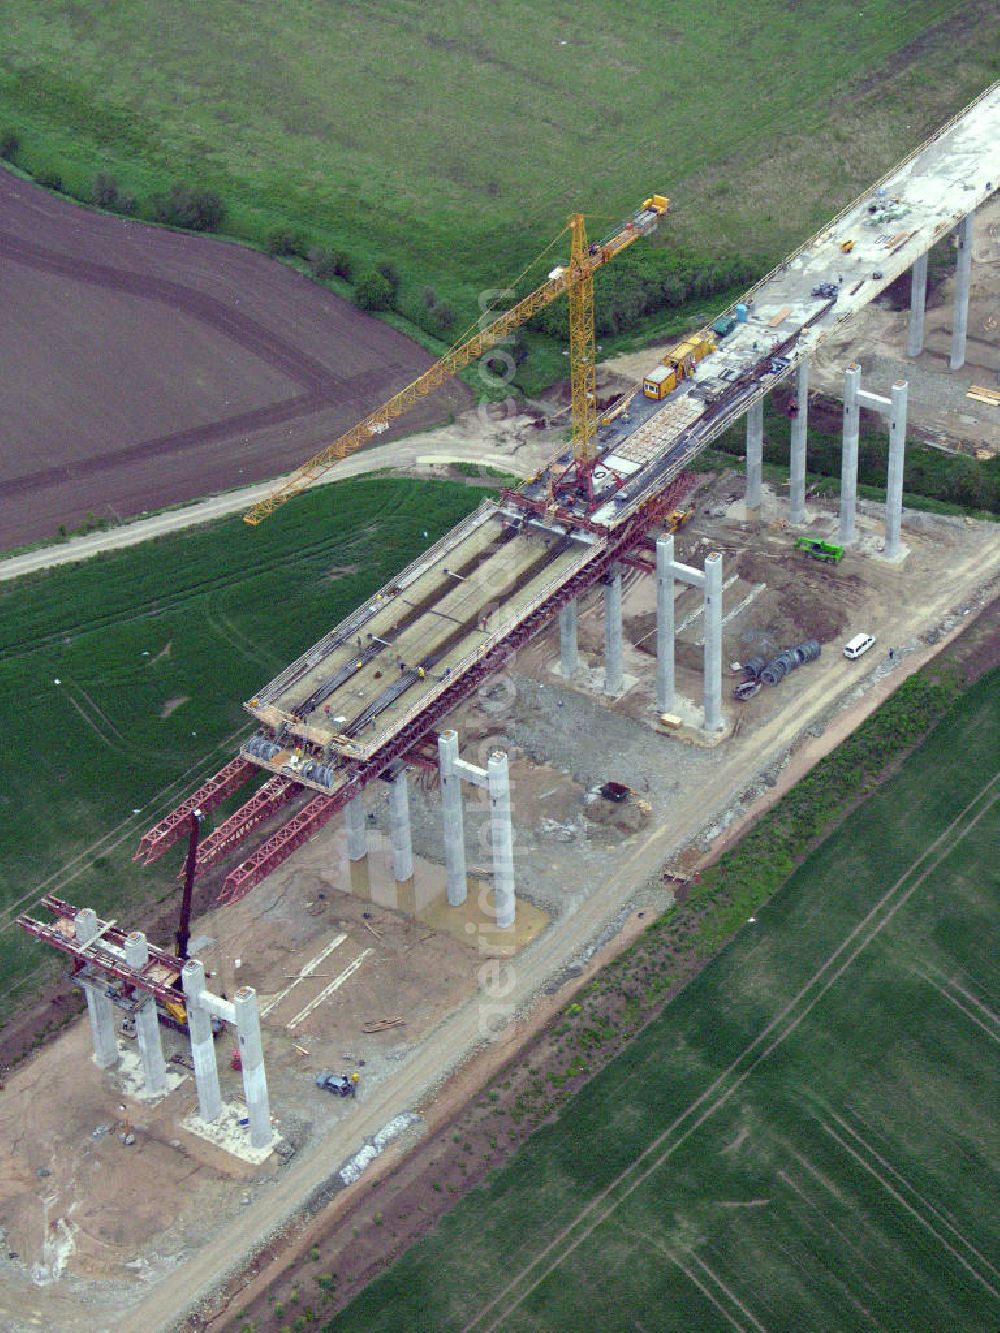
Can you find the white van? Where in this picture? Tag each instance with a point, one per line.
(854, 648)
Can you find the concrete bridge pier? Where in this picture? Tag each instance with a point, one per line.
(502, 837)
(713, 642)
(453, 819)
(206, 1071)
(963, 281)
(399, 828)
(357, 829)
(252, 1060)
(797, 460)
(569, 653)
(494, 779)
(849, 457)
(665, 675)
(894, 484)
(614, 677)
(709, 580)
(755, 455)
(918, 297)
(100, 1010)
(147, 1025)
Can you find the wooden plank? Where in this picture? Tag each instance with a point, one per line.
(780, 317)
(993, 395)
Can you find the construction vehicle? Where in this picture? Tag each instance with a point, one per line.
(678, 518)
(341, 1085)
(847, 246)
(829, 552)
(575, 280)
(677, 364)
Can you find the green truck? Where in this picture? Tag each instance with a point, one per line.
(820, 550)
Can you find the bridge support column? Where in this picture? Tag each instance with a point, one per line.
(963, 278)
(849, 457)
(502, 837)
(399, 828)
(569, 653)
(206, 1072)
(713, 641)
(453, 819)
(797, 461)
(495, 780)
(894, 485)
(918, 297)
(357, 829)
(755, 455)
(252, 1060)
(147, 1025)
(613, 668)
(665, 677)
(100, 1010)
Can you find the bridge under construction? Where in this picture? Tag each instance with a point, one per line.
(369, 696)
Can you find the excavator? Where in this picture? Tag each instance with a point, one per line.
(576, 280)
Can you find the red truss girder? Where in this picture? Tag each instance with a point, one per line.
(279, 846)
(423, 755)
(276, 792)
(311, 818)
(91, 954)
(157, 840)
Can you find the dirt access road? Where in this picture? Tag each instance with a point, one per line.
(144, 367)
(506, 442)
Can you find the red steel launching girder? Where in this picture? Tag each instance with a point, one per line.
(279, 846)
(276, 792)
(61, 935)
(311, 818)
(423, 755)
(635, 561)
(157, 840)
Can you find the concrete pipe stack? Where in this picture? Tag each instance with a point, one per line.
(788, 660)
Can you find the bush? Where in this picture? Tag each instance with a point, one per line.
(374, 291)
(329, 263)
(390, 273)
(9, 144)
(105, 193)
(194, 210)
(284, 242)
(442, 317)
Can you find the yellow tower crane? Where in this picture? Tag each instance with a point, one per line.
(576, 279)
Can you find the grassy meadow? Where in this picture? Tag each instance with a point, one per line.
(453, 141)
(153, 649)
(806, 1138)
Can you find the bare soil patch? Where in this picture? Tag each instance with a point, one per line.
(146, 368)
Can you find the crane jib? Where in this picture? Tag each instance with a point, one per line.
(576, 275)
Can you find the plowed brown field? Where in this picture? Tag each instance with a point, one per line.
(141, 367)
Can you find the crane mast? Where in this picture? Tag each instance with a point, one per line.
(576, 279)
(582, 346)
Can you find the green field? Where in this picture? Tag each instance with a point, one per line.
(454, 140)
(154, 649)
(806, 1138)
